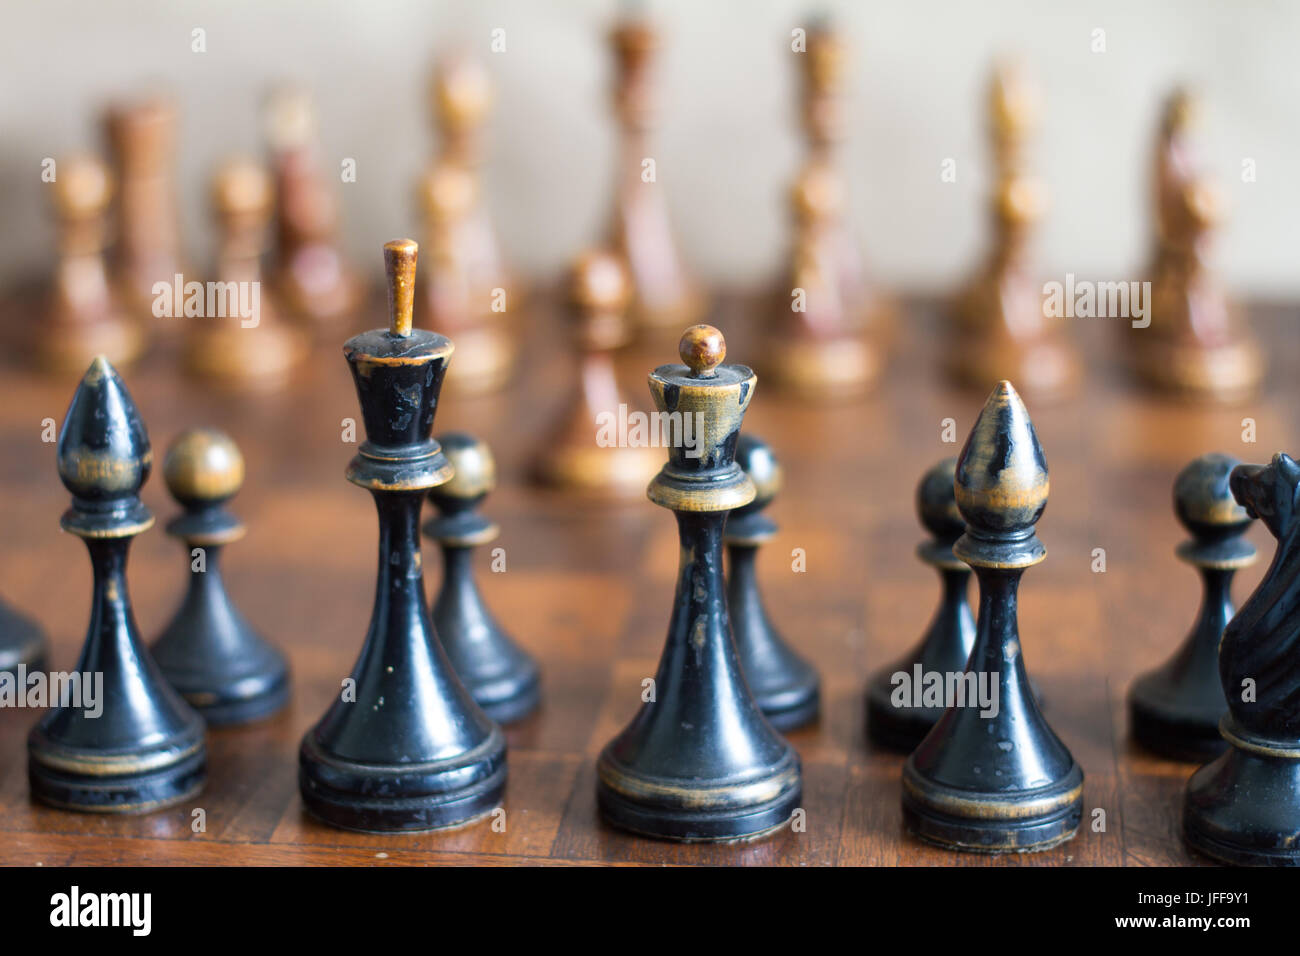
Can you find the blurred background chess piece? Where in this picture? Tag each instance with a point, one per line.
(663, 294)
(223, 346)
(1197, 344)
(831, 324)
(311, 276)
(466, 292)
(85, 315)
(141, 140)
(1001, 329)
(573, 457)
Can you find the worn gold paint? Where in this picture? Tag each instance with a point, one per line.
(697, 798)
(110, 765)
(989, 808)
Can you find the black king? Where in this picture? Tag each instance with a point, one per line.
(404, 747)
(699, 761)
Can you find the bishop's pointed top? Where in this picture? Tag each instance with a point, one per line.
(103, 449)
(1001, 481)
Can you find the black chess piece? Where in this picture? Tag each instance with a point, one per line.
(1175, 710)
(22, 642)
(699, 761)
(208, 652)
(403, 746)
(785, 685)
(947, 643)
(1244, 807)
(980, 780)
(144, 749)
(501, 676)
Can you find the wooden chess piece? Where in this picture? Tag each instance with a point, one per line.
(577, 456)
(830, 321)
(22, 642)
(1001, 329)
(208, 652)
(699, 761)
(1197, 343)
(1175, 710)
(1244, 807)
(85, 315)
(141, 140)
(501, 676)
(664, 295)
(311, 276)
(818, 346)
(945, 648)
(996, 778)
(458, 296)
(404, 746)
(785, 686)
(140, 747)
(240, 339)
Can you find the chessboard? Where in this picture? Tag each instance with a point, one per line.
(587, 587)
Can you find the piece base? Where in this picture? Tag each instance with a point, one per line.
(127, 793)
(733, 824)
(1172, 736)
(1242, 809)
(996, 822)
(898, 728)
(784, 714)
(227, 706)
(410, 798)
(515, 706)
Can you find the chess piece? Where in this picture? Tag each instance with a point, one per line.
(500, 675)
(22, 642)
(458, 294)
(818, 345)
(240, 340)
(403, 746)
(785, 686)
(996, 778)
(577, 456)
(830, 321)
(948, 641)
(139, 746)
(86, 317)
(311, 277)
(1001, 329)
(141, 140)
(699, 761)
(1175, 710)
(208, 651)
(1197, 344)
(664, 296)
(1244, 807)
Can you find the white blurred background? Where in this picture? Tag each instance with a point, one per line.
(728, 140)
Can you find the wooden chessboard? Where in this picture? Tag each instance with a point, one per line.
(588, 587)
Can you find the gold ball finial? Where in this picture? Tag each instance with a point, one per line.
(476, 469)
(400, 256)
(702, 349)
(203, 465)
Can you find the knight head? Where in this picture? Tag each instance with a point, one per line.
(1269, 492)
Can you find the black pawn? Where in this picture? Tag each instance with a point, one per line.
(946, 646)
(22, 642)
(403, 746)
(1002, 782)
(1244, 808)
(145, 749)
(209, 652)
(1175, 710)
(501, 676)
(699, 761)
(785, 685)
